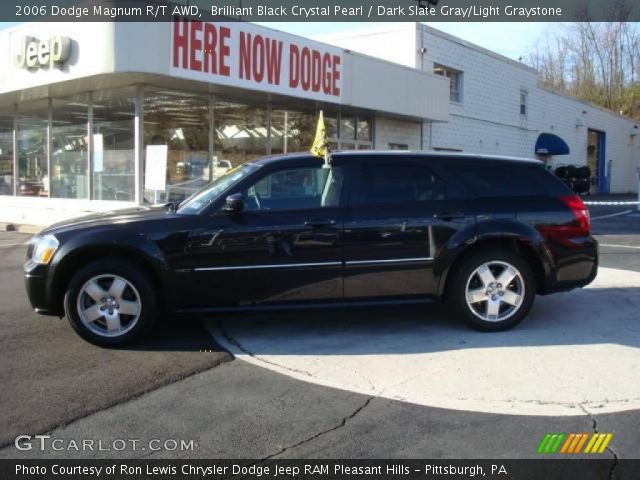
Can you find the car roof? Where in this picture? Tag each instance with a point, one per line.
(373, 154)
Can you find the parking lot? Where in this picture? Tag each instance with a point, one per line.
(401, 382)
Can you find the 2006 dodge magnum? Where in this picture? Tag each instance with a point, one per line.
(484, 234)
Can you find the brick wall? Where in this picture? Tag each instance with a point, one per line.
(390, 130)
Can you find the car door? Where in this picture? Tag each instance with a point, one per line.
(402, 215)
(284, 247)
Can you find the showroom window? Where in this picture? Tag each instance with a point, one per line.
(33, 177)
(331, 124)
(69, 147)
(6, 151)
(241, 134)
(113, 158)
(351, 131)
(364, 127)
(291, 130)
(455, 81)
(347, 127)
(176, 140)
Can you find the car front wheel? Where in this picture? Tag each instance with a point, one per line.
(110, 303)
(493, 290)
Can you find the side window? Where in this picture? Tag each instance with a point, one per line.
(385, 184)
(296, 188)
(489, 178)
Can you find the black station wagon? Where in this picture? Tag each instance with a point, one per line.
(484, 234)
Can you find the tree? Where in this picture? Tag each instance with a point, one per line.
(595, 61)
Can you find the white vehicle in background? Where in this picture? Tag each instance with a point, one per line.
(220, 167)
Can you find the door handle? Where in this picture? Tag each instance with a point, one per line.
(319, 223)
(447, 216)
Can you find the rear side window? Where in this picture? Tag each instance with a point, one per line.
(487, 178)
(389, 183)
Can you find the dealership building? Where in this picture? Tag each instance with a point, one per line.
(97, 116)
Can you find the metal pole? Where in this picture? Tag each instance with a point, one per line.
(89, 182)
(16, 176)
(637, 172)
(212, 164)
(49, 143)
(139, 145)
(285, 138)
(269, 128)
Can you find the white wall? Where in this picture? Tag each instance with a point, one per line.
(390, 42)
(488, 119)
(386, 87)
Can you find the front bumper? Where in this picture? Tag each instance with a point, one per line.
(36, 282)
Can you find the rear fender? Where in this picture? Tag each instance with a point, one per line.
(491, 233)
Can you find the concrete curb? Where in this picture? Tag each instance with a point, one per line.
(20, 228)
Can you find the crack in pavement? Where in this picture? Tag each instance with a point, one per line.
(546, 402)
(342, 423)
(243, 349)
(594, 421)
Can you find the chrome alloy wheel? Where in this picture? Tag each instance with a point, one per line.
(109, 305)
(495, 291)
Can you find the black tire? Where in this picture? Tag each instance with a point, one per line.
(139, 286)
(581, 186)
(457, 289)
(572, 171)
(561, 172)
(584, 172)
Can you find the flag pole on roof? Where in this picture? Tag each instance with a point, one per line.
(320, 146)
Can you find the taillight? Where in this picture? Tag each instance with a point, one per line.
(580, 226)
(579, 210)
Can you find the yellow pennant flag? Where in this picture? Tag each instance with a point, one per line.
(320, 147)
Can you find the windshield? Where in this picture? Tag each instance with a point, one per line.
(209, 194)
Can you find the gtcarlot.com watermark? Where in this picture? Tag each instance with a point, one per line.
(43, 443)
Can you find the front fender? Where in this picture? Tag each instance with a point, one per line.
(97, 243)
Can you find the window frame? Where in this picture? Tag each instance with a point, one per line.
(524, 93)
(455, 87)
(357, 143)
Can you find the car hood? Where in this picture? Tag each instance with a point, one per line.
(114, 217)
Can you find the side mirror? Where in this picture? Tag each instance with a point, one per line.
(234, 203)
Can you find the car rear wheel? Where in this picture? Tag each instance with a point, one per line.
(110, 303)
(493, 290)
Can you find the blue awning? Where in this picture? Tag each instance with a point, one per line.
(550, 144)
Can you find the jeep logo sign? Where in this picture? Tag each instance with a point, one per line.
(33, 53)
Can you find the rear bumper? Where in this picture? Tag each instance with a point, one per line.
(38, 289)
(575, 264)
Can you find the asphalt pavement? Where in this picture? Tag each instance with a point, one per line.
(50, 376)
(167, 388)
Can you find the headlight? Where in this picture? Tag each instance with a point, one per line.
(44, 249)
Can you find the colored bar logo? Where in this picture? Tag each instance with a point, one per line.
(573, 443)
